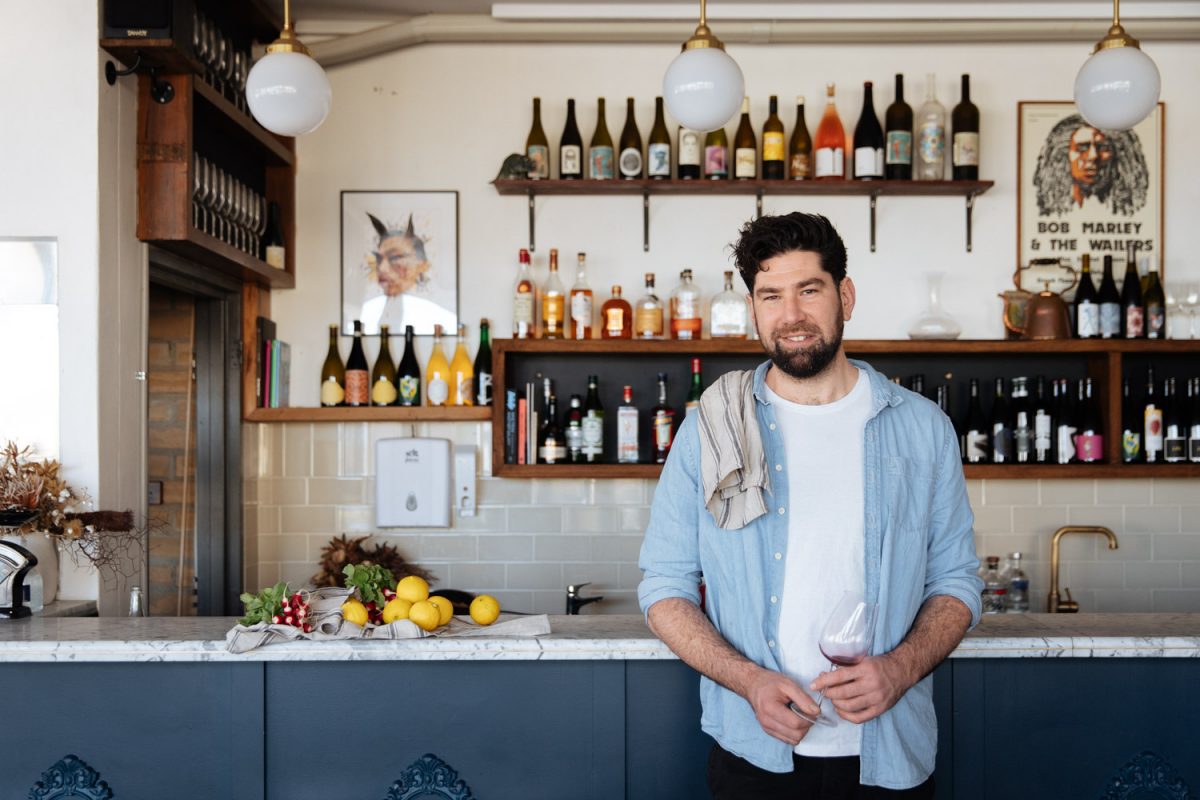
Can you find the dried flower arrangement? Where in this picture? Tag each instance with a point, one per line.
(343, 550)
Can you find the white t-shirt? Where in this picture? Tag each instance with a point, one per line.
(823, 446)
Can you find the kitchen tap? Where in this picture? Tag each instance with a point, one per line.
(1055, 604)
(575, 601)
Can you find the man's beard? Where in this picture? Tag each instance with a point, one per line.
(812, 360)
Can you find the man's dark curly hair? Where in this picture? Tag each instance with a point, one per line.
(773, 235)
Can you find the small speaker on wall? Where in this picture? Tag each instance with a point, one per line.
(149, 19)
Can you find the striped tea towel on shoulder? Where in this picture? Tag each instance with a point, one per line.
(733, 464)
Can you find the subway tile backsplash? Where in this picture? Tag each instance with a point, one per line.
(306, 483)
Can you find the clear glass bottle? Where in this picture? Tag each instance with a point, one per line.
(627, 429)
(582, 302)
(994, 590)
(554, 303)
(931, 135)
(136, 607)
(685, 308)
(1017, 597)
(729, 314)
(648, 318)
(525, 300)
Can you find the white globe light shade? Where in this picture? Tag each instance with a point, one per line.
(1117, 88)
(703, 88)
(288, 93)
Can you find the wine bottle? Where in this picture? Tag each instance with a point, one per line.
(976, 438)
(525, 300)
(1087, 306)
(695, 390)
(663, 420)
(333, 373)
(745, 147)
(582, 304)
(716, 155)
(437, 372)
(685, 308)
(773, 153)
(1002, 430)
(729, 315)
(574, 430)
(462, 372)
(1155, 301)
(1089, 440)
(552, 444)
(931, 135)
(408, 380)
(1066, 423)
(800, 147)
(1043, 424)
(658, 146)
(570, 147)
(898, 121)
(648, 321)
(690, 154)
(1133, 312)
(358, 376)
(1175, 425)
(483, 366)
(1194, 420)
(1022, 421)
(616, 317)
(868, 139)
(383, 376)
(1131, 426)
(916, 383)
(593, 423)
(627, 429)
(600, 150)
(1152, 421)
(830, 143)
(964, 120)
(537, 147)
(1110, 303)
(554, 302)
(274, 250)
(630, 160)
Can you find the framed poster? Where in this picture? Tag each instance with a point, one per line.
(1084, 190)
(400, 261)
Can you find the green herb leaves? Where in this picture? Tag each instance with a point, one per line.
(370, 580)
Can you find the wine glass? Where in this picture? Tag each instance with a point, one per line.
(1189, 303)
(846, 638)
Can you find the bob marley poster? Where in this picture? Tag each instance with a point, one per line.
(1086, 190)
(400, 261)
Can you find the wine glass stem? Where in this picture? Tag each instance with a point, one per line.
(821, 696)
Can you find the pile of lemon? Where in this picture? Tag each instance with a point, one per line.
(413, 602)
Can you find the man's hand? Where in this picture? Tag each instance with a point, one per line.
(867, 689)
(771, 694)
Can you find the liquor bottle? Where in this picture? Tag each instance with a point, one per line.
(1064, 423)
(1155, 301)
(1022, 421)
(574, 430)
(462, 372)
(408, 380)
(800, 147)
(1133, 311)
(745, 146)
(525, 299)
(582, 302)
(483, 366)
(1002, 430)
(690, 154)
(1017, 597)
(1175, 425)
(1131, 426)
(1194, 420)
(630, 160)
(716, 155)
(931, 135)
(685, 308)
(358, 377)
(570, 148)
(942, 397)
(658, 146)
(554, 303)
(830, 143)
(383, 376)
(663, 420)
(627, 429)
(994, 590)
(964, 120)
(916, 383)
(868, 139)
(695, 390)
(774, 157)
(616, 317)
(437, 372)
(1110, 303)
(1043, 424)
(333, 373)
(648, 321)
(976, 439)
(1087, 306)
(1089, 440)
(552, 443)
(274, 250)
(898, 122)
(728, 314)
(1152, 422)
(537, 147)
(593, 424)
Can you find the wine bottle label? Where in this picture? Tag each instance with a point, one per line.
(931, 142)
(464, 392)
(276, 256)
(1110, 320)
(383, 393)
(483, 389)
(1131, 445)
(581, 308)
(868, 162)
(627, 435)
(574, 439)
(663, 422)
(773, 146)
(745, 162)
(648, 322)
(410, 386)
(614, 322)
(1153, 419)
(1134, 321)
(1023, 437)
(659, 160)
(798, 168)
(1041, 435)
(552, 312)
(1175, 448)
(714, 161)
(332, 393)
(593, 434)
(631, 162)
(977, 442)
(570, 160)
(966, 149)
(523, 309)
(1089, 447)
(1002, 443)
(437, 392)
(552, 452)
(1066, 443)
(689, 148)
(1087, 320)
(600, 162)
(358, 384)
(830, 162)
(899, 147)
(539, 154)
(1156, 322)
(1194, 443)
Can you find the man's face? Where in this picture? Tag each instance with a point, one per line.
(1089, 155)
(800, 313)
(400, 265)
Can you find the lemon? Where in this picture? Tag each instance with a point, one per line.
(397, 608)
(354, 611)
(425, 615)
(444, 607)
(485, 609)
(412, 589)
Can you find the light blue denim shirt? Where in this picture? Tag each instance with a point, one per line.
(918, 543)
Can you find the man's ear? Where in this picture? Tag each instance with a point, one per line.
(846, 291)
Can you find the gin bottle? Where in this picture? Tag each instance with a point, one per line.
(1017, 599)
(729, 315)
(994, 590)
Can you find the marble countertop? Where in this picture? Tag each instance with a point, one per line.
(584, 637)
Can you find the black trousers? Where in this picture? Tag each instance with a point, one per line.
(734, 778)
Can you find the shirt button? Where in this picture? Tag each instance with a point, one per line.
(781, 509)
(771, 643)
(778, 556)
(772, 426)
(779, 467)
(774, 599)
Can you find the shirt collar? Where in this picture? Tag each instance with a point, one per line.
(884, 393)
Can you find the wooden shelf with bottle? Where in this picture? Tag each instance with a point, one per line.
(372, 414)
(646, 187)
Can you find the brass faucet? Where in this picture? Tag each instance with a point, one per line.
(1055, 604)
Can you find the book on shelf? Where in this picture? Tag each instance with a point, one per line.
(265, 329)
(277, 373)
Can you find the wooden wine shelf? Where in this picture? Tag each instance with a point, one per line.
(372, 414)
(971, 471)
(759, 188)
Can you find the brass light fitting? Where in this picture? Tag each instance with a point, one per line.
(1116, 36)
(287, 41)
(703, 37)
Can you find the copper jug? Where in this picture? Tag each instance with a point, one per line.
(1046, 317)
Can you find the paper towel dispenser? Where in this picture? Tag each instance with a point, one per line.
(412, 483)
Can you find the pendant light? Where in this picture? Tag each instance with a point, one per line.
(287, 90)
(703, 86)
(1118, 86)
